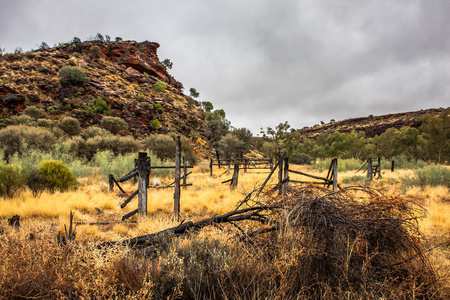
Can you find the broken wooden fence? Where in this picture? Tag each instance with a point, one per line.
(142, 171)
(373, 169)
(246, 163)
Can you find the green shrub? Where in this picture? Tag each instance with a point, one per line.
(11, 179)
(94, 131)
(161, 145)
(430, 175)
(16, 138)
(72, 76)
(109, 163)
(22, 120)
(94, 51)
(114, 124)
(70, 126)
(45, 123)
(158, 106)
(154, 124)
(56, 175)
(33, 112)
(116, 144)
(160, 86)
(343, 164)
(101, 106)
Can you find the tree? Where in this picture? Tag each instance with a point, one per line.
(207, 106)
(72, 76)
(281, 138)
(194, 93)
(245, 136)
(216, 126)
(167, 63)
(436, 132)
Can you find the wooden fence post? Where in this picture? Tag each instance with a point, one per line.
(234, 179)
(286, 176)
(369, 169)
(335, 174)
(211, 167)
(184, 169)
(135, 178)
(176, 196)
(379, 167)
(280, 175)
(111, 182)
(392, 166)
(143, 164)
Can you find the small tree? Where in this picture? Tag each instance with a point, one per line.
(160, 86)
(56, 175)
(167, 63)
(95, 51)
(194, 93)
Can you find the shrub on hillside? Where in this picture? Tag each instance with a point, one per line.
(94, 51)
(22, 120)
(72, 76)
(160, 86)
(45, 123)
(56, 175)
(11, 179)
(70, 126)
(16, 138)
(116, 144)
(33, 112)
(94, 131)
(161, 145)
(114, 124)
(155, 124)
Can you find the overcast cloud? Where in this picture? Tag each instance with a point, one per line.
(266, 62)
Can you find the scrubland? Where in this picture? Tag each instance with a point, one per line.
(213, 263)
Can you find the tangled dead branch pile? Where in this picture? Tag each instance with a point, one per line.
(318, 242)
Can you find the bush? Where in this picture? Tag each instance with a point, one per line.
(94, 131)
(45, 123)
(72, 76)
(160, 86)
(16, 138)
(431, 175)
(161, 145)
(116, 144)
(155, 124)
(56, 175)
(95, 51)
(114, 124)
(11, 179)
(22, 120)
(33, 112)
(70, 126)
(343, 164)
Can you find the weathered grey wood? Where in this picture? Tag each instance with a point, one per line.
(211, 167)
(280, 176)
(129, 199)
(143, 175)
(379, 167)
(184, 169)
(128, 176)
(111, 182)
(369, 169)
(177, 193)
(130, 214)
(335, 174)
(270, 174)
(234, 180)
(312, 176)
(285, 176)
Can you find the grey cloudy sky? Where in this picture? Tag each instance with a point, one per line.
(266, 62)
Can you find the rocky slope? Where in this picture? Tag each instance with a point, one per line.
(372, 125)
(122, 73)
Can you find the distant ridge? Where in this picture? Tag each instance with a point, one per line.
(371, 125)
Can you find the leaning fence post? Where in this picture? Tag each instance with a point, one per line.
(335, 174)
(111, 182)
(143, 164)
(210, 167)
(176, 196)
(379, 167)
(286, 176)
(369, 169)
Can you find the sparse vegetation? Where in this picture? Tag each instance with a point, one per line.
(114, 124)
(160, 86)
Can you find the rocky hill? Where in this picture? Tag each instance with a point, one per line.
(124, 74)
(371, 125)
